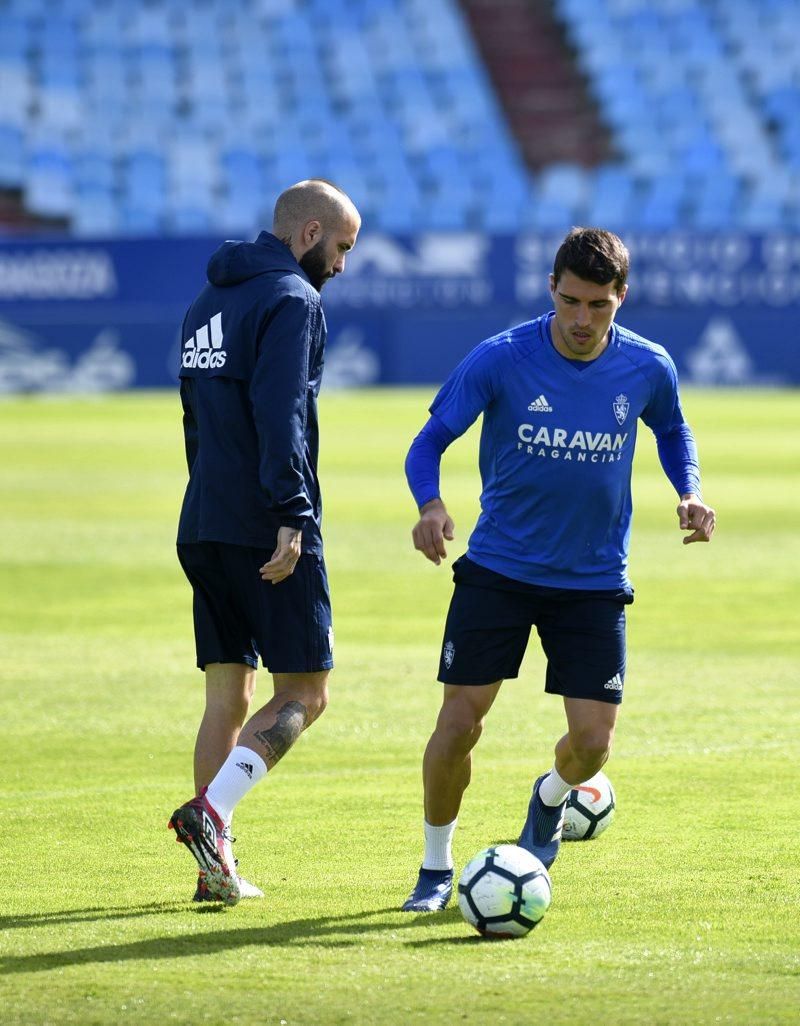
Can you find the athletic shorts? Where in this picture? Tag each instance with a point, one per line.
(489, 622)
(239, 617)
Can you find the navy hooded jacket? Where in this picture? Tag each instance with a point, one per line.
(251, 364)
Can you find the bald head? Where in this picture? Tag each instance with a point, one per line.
(319, 223)
(312, 200)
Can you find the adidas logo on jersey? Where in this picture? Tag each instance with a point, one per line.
(540, 405)
(204, 349)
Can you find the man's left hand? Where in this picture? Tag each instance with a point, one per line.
(285, 557)
(696, 517)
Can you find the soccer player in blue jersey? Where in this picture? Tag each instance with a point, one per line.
(249, 538)
(561, 397)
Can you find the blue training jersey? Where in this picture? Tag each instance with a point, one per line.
(556, 450)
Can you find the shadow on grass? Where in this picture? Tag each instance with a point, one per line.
(88, 915)
(470, 940)
(332, 931)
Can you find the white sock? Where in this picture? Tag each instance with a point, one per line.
(438, 846)
(241, 771)
(554, 789)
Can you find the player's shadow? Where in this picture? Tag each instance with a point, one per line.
(88, 915)
(298, 931)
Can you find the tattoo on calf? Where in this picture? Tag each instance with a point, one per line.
(279, 738)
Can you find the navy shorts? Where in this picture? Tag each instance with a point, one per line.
(238, 617)
(489, 623)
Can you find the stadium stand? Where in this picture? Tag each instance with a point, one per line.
(543, 92)
(168, 117)
(702, 102)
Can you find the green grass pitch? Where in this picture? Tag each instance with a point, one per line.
(684, 912)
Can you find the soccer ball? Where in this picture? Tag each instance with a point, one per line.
(504, 891)
(590, 809)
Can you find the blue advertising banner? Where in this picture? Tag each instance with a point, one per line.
(95, 316)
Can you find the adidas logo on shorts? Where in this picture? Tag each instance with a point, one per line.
(615, 684)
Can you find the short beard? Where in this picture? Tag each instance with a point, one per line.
(313, 263)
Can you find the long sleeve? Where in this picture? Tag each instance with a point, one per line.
(189, 423)
(424, 459)
(279, 393)
(677, 452)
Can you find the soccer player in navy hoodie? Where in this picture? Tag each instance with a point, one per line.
(561, 397)
(249, 536)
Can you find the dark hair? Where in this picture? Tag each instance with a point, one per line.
(594, 255)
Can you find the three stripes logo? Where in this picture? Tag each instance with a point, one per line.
(540, 405)
(615, 684)
(204, 349)
(246, 767)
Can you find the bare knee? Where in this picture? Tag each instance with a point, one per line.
(316, 702)
(229, 689)
(459, 727)
(311, 703)
(591, 747)
(308, 691)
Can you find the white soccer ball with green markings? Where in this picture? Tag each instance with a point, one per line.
(504, 891)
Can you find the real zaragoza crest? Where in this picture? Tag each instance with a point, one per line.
(449, 653)
(621, 407)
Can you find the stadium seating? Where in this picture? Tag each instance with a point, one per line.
(700, 90)
(164, 116)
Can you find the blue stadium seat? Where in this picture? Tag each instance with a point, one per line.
(143, 181)
(17, 92)
(702, 155)
(15, 38)
(58, 34)
(95, 212)
(94, 169)
(190, 219)
(139, 221)
(242, 168)
(48, 185)
(59, 107)
(241, 214)
(104, 27)
(762, 212)
(564, 188)
(611, 198)
(717, 215)
(541, 215)
(12, 156)
(396, 217)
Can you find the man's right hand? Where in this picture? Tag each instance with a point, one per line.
(430, 531)
(285, 557)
